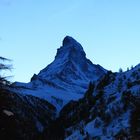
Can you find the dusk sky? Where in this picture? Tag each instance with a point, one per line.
(32, 30)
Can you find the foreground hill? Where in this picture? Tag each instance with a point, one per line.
(23, 117)
(109, 109)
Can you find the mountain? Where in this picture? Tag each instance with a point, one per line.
(72, 99)
(66, 78)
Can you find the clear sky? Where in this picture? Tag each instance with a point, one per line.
(32, 30)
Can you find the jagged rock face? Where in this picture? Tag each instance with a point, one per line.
(73, 49)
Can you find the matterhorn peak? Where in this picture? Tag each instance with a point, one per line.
(67, 77)
(71, 43)
(70, 50)
(68, 41)
(71, 63)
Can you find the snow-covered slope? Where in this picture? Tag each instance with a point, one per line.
(66, 78)
(112, 109)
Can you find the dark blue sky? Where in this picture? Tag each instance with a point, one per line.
(32, 30)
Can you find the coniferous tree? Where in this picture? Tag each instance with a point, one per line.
(3, 79)
(135, 119)
(120, 70)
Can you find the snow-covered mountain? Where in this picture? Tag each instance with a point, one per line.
(66, 78)
(73, 99)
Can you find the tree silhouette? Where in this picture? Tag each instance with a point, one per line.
(3, 79)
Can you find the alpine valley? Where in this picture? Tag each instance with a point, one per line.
(72, 99)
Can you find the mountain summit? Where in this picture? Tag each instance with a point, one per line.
(68, 40)
(67, 77)
(70, 50)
